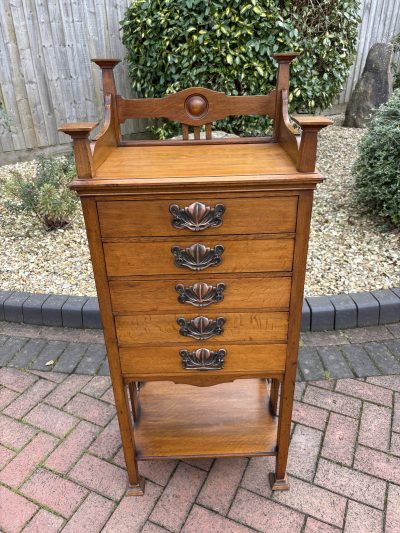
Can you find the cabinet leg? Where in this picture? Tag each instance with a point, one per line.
(273, 396)
(279, 480)
(135, 482)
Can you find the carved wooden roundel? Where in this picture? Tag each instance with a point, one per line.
(196, 106)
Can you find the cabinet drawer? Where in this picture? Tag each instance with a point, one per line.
(238, 255)
(203, 293)
(167, 360)
(239, 216)
(236, 327)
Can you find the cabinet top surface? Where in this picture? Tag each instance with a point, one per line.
(195, 161)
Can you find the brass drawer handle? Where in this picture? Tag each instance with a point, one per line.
(197, 256)
(201, 328)
(200, 294)
(203, 359)
(196, 216)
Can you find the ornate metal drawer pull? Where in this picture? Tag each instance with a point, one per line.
(200, 294)
(196, 216)
(197, 256)
(203, 359)
(201, 327)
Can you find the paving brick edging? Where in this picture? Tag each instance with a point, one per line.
(320, 313)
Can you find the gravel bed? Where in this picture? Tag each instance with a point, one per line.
(348, 252)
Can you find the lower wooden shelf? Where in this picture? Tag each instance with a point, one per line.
(229, 419)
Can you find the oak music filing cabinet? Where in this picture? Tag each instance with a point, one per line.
(199, 250)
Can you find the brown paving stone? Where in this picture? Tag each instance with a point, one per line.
(90, 409)
(375, 426)
(221, 484)
(328, 384)
(363, 519)
(390, 382)
(396, 413)
(108, 441)
(48, 418)
(5, 456)
(203, 464)
(179, 495)
(264, 515)
(299, 389)
(315, 526)
(66, 390)
(149, 527)
(15, 511)
(348, 482)
(324, 338)
(333, 401)
(395, 444)
(202, 520)
(132, 512)
(44, 522)
(14, 434)
(26, 401)
(56, 377)
(303, 452)
(100, 476)
(378, 464)
(14, 379)
(368, 334)
(393, 510)
(157, 471)
(60, 495)
(256, 476)
(26, 461)
(365, 391)
(314, 501)
(69, 451)
(119, 458)
(6, 397)
(97, 386)
(91, 515)
(309, 415)
(108, 396)
(340, 439)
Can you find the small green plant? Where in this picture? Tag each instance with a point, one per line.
(227, 45)
(5, 119)
(45, 194)
(326, 375)
(377, 168)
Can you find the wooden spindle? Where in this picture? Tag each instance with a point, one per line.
(208, 131)
(196, 131)
(185, 132)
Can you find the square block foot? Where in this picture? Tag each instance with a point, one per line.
(137, 489)
(278, 484)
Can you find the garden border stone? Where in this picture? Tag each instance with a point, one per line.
(319, 313)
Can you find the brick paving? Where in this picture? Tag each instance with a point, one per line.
(62, 467)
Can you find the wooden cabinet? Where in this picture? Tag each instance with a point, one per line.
(199, 250)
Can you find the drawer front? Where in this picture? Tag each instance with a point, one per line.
(214, 255)
(215, 329)
(207, 294)
(238, 358)
(209, 216)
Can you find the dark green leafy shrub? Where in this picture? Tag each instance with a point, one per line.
(377, 169)
(45, 194)
(226, 45)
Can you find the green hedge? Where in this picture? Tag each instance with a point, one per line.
(227, 45)
(377, 169)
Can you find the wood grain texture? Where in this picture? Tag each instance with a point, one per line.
(176, 107)
(160, 295)
(149, 258)
(165, 360)
(239, 327)
(271, 215)
(225, 420)
(191, 161)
